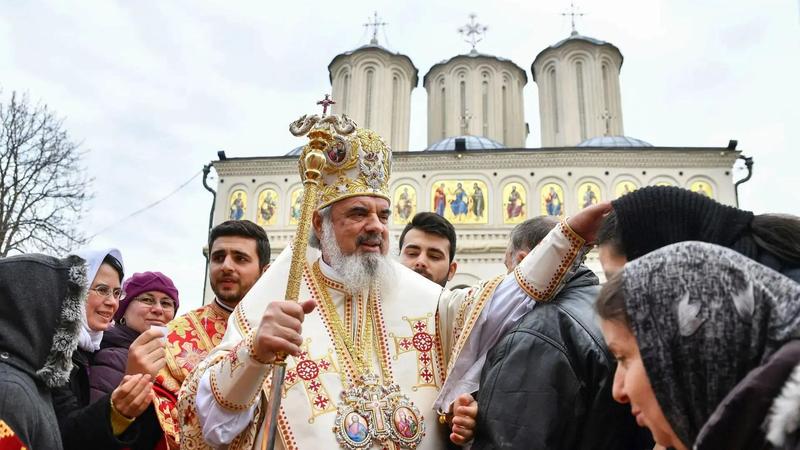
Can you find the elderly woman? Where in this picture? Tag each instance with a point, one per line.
(112, 421)
(708, 347)
(151, 300)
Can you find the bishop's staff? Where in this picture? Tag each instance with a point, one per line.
(320, 131)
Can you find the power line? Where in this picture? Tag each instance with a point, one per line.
(151, 205)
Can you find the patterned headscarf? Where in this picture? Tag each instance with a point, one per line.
(704, 316)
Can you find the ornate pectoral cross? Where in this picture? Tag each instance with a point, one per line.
(372, 411)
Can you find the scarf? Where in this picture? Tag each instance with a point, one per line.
(89, 340)
(703, 317)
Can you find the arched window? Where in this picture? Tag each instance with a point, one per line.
(462, 88)
(345, 92)
(504, 106)
(444, 111)
(485, 107)
(395, 109)
(581, 98)
(368, 97)
(554, 98)
(606, 90)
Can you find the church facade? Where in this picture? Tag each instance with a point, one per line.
(475, 170)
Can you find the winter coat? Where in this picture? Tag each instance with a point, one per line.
(547, 383)
(41, 301)
(740, 421)
(86, 425)
(108, 365)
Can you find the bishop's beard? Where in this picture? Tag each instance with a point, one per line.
(359, 270)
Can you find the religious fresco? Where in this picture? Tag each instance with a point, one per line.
(460, 201)
(702, 187)
(237, 207)
(405, 204)
(624, 187)
(588, 194)
(267, 213)
(552, 199)
(515, 200)
(295, 206)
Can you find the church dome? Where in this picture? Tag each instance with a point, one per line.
(614, 141)
(295, 151)
(470, 143)
(573, 38)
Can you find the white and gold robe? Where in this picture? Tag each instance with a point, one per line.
(420, 330)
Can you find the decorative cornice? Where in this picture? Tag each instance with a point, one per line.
(662, 157)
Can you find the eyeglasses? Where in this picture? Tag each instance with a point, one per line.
(108, 292)
(166, 304)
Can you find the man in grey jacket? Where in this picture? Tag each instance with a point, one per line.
(547, 383)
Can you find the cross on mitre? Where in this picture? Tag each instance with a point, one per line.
(325, 102)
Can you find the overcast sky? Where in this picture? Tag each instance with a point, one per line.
(153, 89)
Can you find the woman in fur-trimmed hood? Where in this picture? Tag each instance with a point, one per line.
(705, 339)
(42, 301)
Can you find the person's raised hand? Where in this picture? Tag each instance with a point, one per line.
(133, 395)
(588, 220)
(146, 354)
(465, 414)
(281, 329)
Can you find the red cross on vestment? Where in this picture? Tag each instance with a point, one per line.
(422, 342)
(307, 370)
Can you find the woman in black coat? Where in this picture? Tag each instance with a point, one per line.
(124, 418)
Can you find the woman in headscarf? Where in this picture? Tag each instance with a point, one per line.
(706, 340)
(112, 422)
(41, 301)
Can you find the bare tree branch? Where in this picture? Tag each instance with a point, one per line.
(43, 184)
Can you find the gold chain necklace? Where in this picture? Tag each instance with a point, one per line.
(359, 353)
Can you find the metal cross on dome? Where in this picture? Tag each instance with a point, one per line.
(375, 24)
(473, 32)
(325, 102)
(572, 15)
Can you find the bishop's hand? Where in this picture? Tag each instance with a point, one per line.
(587, 222)
(280, 329)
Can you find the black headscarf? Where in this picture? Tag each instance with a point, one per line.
(704, 316)
(655, 216)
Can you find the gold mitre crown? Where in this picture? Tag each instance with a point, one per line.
(357, 160)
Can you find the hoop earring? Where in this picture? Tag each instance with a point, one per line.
(121, 321)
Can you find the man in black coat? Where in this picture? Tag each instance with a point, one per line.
(547, 383)
(41, 301)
